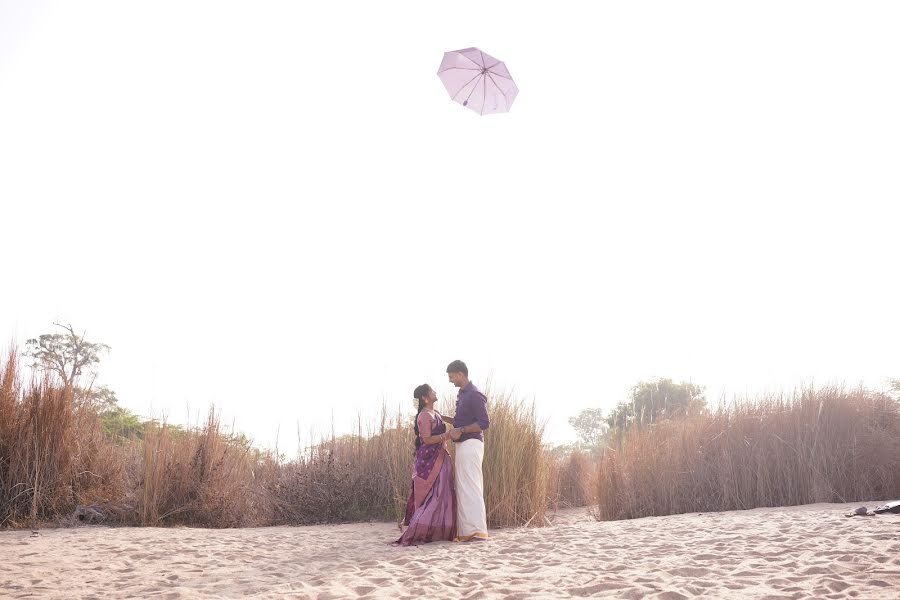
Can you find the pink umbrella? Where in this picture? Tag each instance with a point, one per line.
(477, 80)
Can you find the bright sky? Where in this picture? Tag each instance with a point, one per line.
(274, 207)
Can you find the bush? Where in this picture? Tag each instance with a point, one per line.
(572, 476)
(817, 445)
(57, 454)
(516, 465)
(52, 454)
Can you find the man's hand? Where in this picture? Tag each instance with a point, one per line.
(455, 434)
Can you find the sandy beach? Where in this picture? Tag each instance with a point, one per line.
(797, 552)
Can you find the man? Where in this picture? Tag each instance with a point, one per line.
(471, 420)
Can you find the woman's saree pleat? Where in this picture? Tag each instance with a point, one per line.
(435, 519)
(431, 508)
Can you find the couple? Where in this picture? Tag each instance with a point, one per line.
(443, 506)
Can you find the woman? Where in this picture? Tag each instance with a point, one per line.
(431, 509)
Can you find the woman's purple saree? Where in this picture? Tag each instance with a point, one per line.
(431, 508)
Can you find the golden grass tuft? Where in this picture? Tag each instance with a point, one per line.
(572, 480)
(816, 445)
(347, 478)
(55, 457)
(199, 476)
(516, 466)
(51, 450)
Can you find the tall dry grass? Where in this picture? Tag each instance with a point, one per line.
(52, 454)
(55, 456)
(368, 475)
(816, 445)
(571, 480)
(200, 476)
(362, 476)
(517, 467)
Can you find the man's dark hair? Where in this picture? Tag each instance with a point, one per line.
(458, 366)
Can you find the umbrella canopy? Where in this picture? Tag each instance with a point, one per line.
(478, 81)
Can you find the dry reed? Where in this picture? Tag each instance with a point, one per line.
(346, 478)
(817, 445)
(368, 475)
(54, 457)
(199, 476)
(51, 450)
(572, 480)
(516, 465)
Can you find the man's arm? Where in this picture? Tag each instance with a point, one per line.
(447, 420)
(443, 437)
(479, 409)
(482, 421)
(424, 422)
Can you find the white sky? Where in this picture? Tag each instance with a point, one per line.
(275, 207)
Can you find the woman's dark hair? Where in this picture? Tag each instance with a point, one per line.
(419, 394)
(458, 366)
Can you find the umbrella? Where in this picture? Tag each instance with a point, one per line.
(478, 81)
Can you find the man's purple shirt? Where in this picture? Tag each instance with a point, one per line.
(471, 407)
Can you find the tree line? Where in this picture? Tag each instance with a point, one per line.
(648, 402)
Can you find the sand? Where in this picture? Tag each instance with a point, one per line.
(799, 552)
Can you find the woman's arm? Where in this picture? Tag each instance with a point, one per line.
(425, 430)
(435, 439)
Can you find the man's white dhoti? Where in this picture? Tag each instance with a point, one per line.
(471, 516)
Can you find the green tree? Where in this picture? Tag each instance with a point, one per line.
(590, 426)
(101, 398)
(119, 422)
(71, 357)
(656, 400)
(65, 354)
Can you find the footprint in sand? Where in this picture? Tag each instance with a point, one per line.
(745, 573)
(836, 585)
(816, 571)
(689, 572)
(707, 557)
(593, 589)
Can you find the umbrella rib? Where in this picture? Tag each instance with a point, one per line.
(471, 60)
(498, 74)
(482, 59)
(460, 68)
(483, 92)
(472, 91)
(505, 99)
(464, 87)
